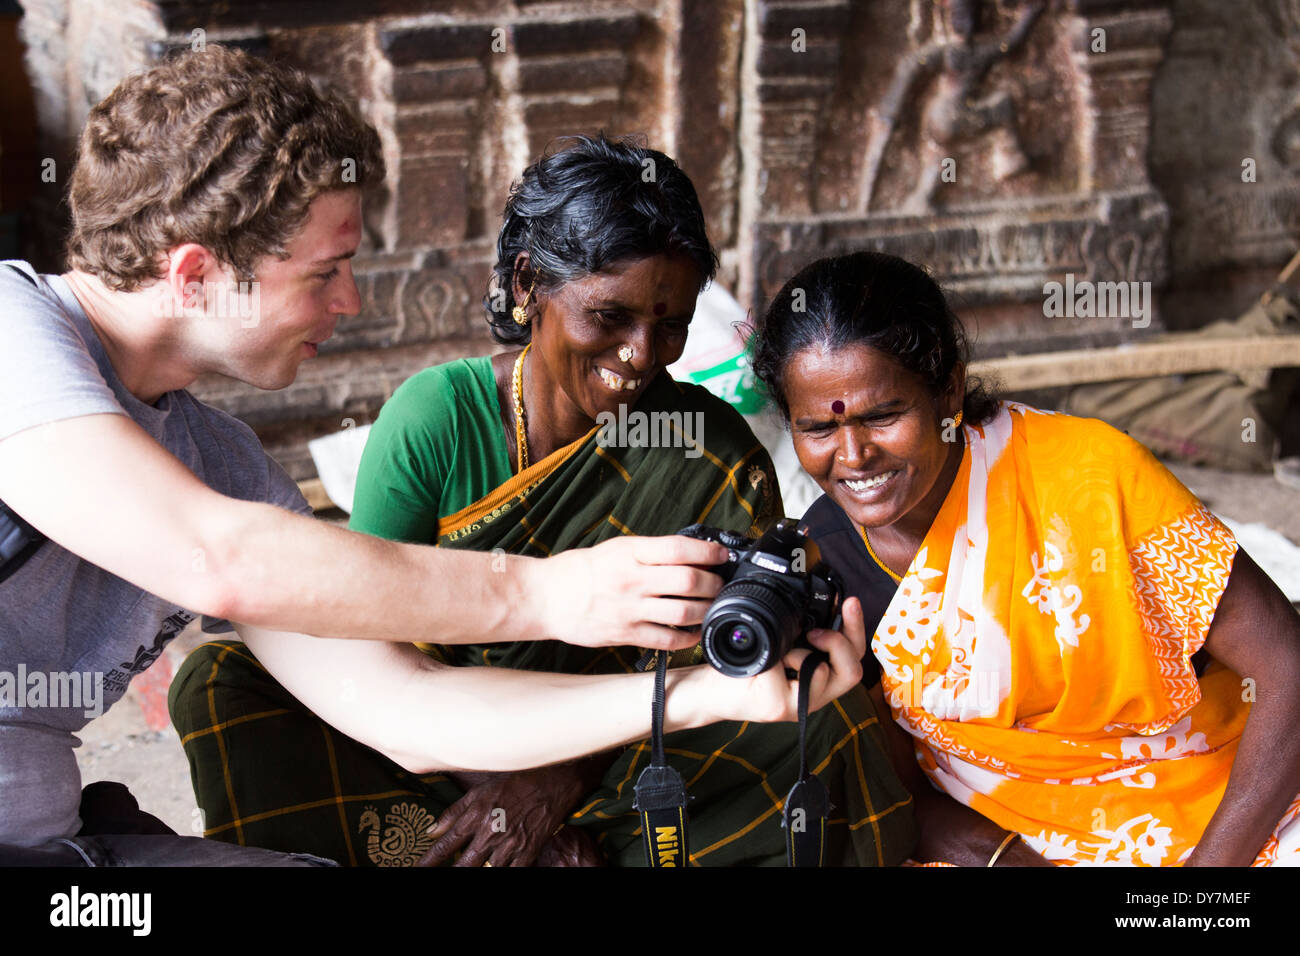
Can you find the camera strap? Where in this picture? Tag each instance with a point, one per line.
(661, 791)
(808, 803)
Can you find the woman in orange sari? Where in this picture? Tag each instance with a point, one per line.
(1090, 670)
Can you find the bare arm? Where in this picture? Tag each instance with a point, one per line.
(1256, 633)
(428, 717)
(105, 490)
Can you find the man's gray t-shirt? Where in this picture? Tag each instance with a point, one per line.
(67, 627)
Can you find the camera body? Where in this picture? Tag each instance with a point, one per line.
(776, 590)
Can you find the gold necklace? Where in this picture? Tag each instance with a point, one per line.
(880, 564)
(517, 390)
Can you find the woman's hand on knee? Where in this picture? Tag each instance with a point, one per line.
(505, 819)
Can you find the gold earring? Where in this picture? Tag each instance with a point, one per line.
(625, 353)
(956, 419)
(520, 312)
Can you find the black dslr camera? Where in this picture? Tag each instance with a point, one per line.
(771, 599)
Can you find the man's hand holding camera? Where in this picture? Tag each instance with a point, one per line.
(666, 582)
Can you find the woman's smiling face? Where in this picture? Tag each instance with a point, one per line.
(580, 328)
(870, 433)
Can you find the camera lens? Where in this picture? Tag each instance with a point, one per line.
(750, 626)
(735, 642)
(742, 639)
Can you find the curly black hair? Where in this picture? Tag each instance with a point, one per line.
(874, 299)
(585, 207)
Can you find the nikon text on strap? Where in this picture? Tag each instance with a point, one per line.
(661, 791)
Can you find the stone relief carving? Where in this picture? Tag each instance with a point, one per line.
(958, 59)
(816, 127)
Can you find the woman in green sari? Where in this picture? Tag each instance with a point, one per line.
(575, 436)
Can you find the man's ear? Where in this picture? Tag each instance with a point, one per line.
(189, 267)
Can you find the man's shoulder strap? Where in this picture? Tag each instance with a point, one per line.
(18, 540)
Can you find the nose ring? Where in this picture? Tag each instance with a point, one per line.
(625, 353)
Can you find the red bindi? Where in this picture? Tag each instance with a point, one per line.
(837, 407)
(660, 308)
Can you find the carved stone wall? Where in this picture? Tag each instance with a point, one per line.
(1004, 145)
(1002, 157)
(464, 93)
(1225, 151)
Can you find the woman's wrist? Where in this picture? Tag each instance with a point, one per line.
(1006, 843)
(953, 833)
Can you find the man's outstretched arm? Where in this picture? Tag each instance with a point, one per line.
(104, 489)
(428, 717)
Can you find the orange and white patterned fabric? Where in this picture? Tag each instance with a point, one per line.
(1039, 646)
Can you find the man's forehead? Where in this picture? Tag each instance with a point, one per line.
(332, 231)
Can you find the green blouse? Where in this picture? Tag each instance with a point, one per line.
(436, 448)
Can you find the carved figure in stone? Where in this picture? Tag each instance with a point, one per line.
(961, 58)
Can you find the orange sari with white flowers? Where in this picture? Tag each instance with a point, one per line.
(1039, 647)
